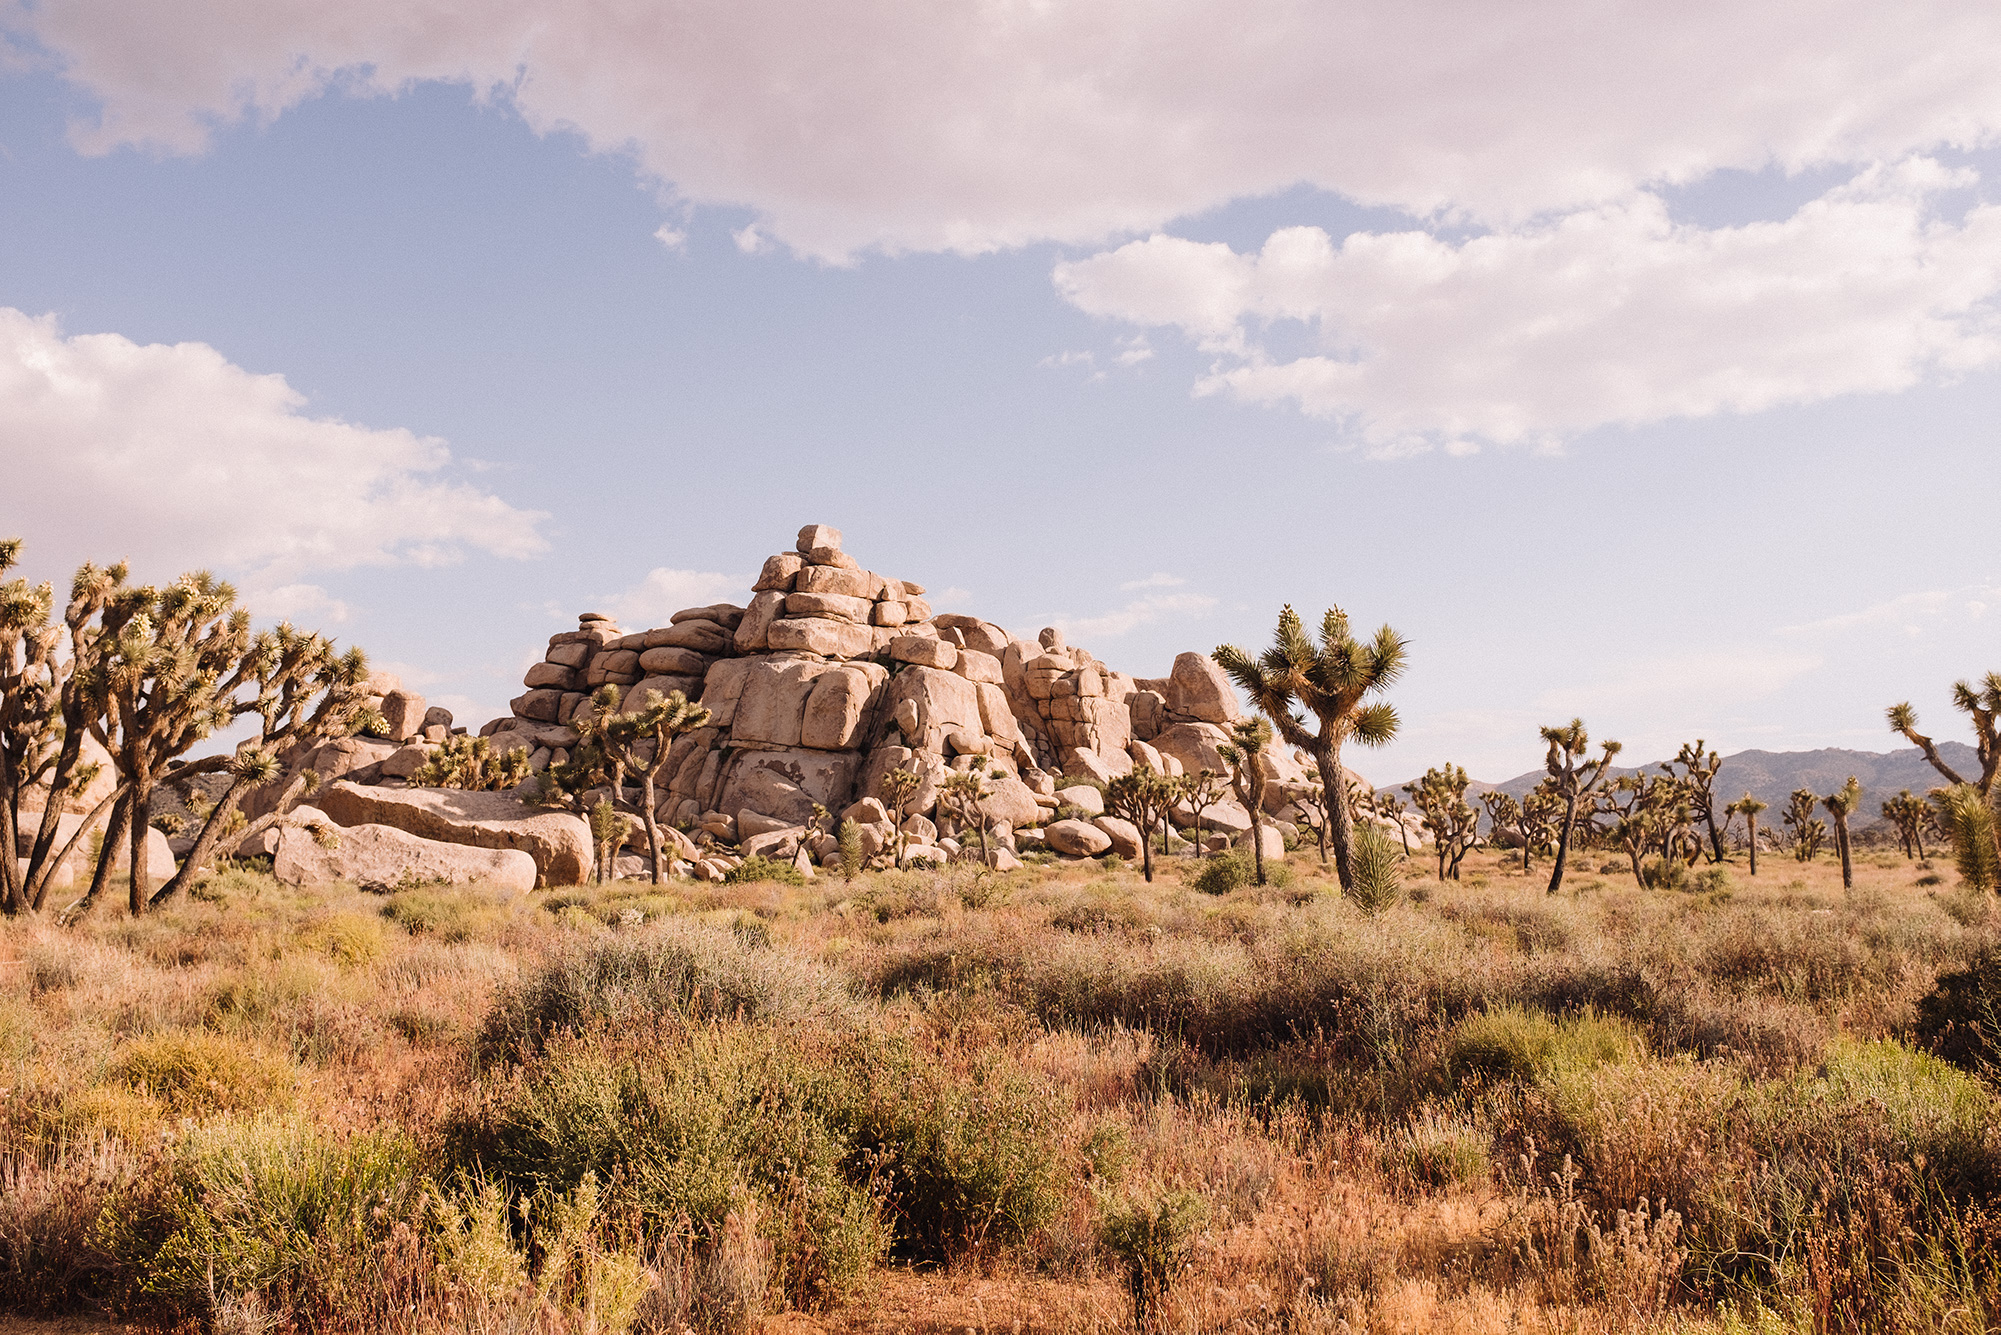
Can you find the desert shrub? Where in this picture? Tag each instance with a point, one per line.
(1229, 870)
(1436, 1150)
(193, 1071)
(460, 913)
(656, 972)
(1511, 1044)
(265, 1213)
(755, 868)
(1150, 1239)
(1658, 873)
(51, 1250)
(1960, 1018)
(686, 1129)
(349, 938)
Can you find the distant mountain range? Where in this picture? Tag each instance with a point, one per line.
(1773, 775)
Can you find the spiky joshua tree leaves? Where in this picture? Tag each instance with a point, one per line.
(1316, 693)
(1575, 778)
(1841, 804)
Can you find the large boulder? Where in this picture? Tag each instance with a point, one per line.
(384, 855)
(1123, 834)
(1075, 838)
(89, 752)
(79, 865)
(817, 635)
(403, 711)
(771, 703)
(1009, 799)
(559, 842)
(927, 703)
(837, 705)
(1195, 746)
(1198, 689)
(701, 635)
(752, 631)
(785, 783)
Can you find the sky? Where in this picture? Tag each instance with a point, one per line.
(1636, 363)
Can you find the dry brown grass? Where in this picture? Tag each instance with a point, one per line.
(1275, 1053)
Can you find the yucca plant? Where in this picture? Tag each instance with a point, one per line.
(1910, 814)
(1146, 799)
(1968, 822)
(1330, 679)
(1378, 869)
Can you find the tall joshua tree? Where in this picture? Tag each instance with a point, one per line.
(1330, 681)
(1245, 753)
(1748, 807)
(1841, 804)
(1982, 705)
(1576, 779)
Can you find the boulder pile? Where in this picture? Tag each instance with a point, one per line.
(829, 678)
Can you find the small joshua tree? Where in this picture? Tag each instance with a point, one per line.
(900, 785)
(1393, 807)
(1147, 800)
(1244, 753)
(1808, 830)
(963, 792)
(1504, 813)
(1841, 804)
(608, 831)
(1697, 767)
(472, 764)
(1574, 779)
(1910, 814)
(640, 741)
(1441, 795)
(1968, 822)
(1982, 705)
(1331, 680)
(852, 855)
(1199, 791)
(1748, 807)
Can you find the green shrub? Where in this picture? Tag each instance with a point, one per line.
(1150, 1240)
(1226, 871)
(1658, 873)
(1511, 1044)
(660, 971)
(756, 868)
(461, 913)
(194, 1071)
(269, 1213)
(1433, 1150)
(1378, 861)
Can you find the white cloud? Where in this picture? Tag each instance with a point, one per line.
(1139, 612)
(672, 237)
(666, 591)
(1157, 580)
(1611, 315)
(858, 123)
(1913, 613)
(174, 457)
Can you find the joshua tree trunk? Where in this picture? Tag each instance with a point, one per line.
(652, 821)
(140, 827)
(205, 843)
(1339, 831)
(114, 835)
(1841, 843)
(1751, 822)
(1563, 844)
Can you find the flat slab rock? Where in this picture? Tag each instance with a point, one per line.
(383, 855)
(559, 843)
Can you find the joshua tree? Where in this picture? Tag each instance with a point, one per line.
(1910, 814)
(1504, 813)
(963, 791)
(1981, 704)
(31, 677)
(1329, 680)
(1146, 799)
(901, 785)
(640, 742)
(1540, 809)
(1392, 806)
(1454, 825)
(1637, 819)
(472, 764)
(1575, 780)
(1841, 804)
(1697, 778)
(1807, 830)
(1198, 792)
(1245, 753)
(1748, 807)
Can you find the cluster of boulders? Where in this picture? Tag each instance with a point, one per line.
(830, 678)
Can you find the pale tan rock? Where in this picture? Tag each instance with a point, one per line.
(753, 630)
(383, 855)
(919, 609)
(560, 843)
(868, 811)
(550, 675)
(923, 652)
(889, 612)
(406, 761)
(701, 635)
(573, 655)
(1083, 764)
(941, 701)
(839, 606)
(1269, 836)
(1198, 689)
(832, 556)
(671, 660)
(816, 635)
(1123, 834)
(819, 535)
(722, 688)
(1194, 745)
(1001, 859)
(960, 742)
(842, 583)
(996, 718)
(634, 699)
(1010, 800)
(779, 573)
(787, 783)
(802, 862)
(920, 828)
(977, 665)
(404, 713)
(834, 709)
(750, 824)
(772, 704)
(1075, 838)
(1084, 797)
(80, 864)
(1143, 754)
